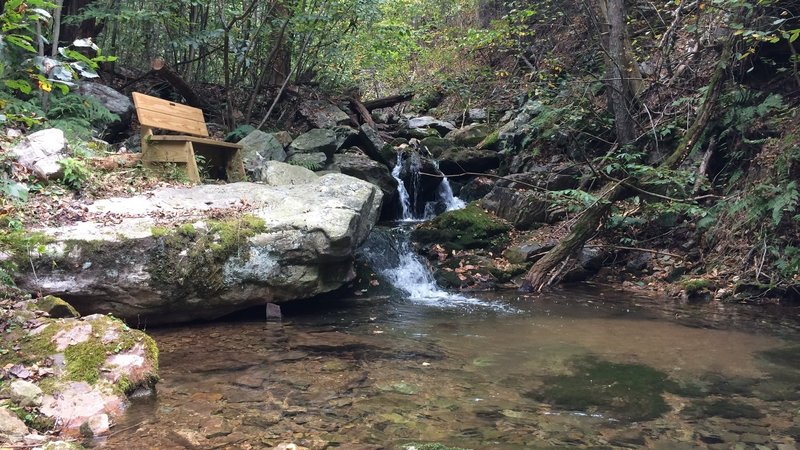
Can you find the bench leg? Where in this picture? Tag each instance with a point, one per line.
(171, 152)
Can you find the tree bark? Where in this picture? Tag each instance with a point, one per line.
(363, 112)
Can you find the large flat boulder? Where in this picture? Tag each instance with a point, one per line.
(179, 254)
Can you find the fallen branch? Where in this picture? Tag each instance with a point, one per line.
(388, 101)
(363, 112)
(180, 85)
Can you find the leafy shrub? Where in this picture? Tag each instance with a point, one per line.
(76, 173)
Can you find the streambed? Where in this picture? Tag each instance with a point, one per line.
(580, 367)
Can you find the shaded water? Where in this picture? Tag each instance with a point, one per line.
(585, 367)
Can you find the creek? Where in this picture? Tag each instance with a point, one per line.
(403, 361)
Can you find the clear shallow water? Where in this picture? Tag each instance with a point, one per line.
(586, 367)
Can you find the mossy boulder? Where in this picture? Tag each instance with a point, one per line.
(466, 228)
(471, 135)
(56, 307)
(76, 368)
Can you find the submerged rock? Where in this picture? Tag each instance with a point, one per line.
(178, 254)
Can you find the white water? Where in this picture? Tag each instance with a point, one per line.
(408, 201)
(405, 202)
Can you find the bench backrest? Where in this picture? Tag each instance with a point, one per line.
(154, 112)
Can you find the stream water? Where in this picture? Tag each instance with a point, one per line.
(577, 368)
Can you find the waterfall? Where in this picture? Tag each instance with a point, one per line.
(444, 201)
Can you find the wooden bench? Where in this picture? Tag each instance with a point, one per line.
(221, 159)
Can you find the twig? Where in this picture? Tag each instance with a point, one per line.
(635, 249)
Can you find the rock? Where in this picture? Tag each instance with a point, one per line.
(374, 146)
(283, 243)
(476, 188)
(552, 177)
(24, 393)
(436, 145)
(97, 425)
(345, 137)
(310, 161)
(477, 114)
(74, 403)
(314, 141)
(362, 167)
(62, 445)
(471, 135)
(456, 160)
(72, 333)
(113, 100)
(461, 229)
(56, 307)
(284, 137)
(288, 446)
(322, 114)
(418, 133)
(514, 131)
(282, 174)
(529, 252)
(523, 209)
(12, 429)
(259, 147)
(588, 263)
(40, 152)
(429, 122)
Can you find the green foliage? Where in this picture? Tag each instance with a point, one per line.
(76, 173)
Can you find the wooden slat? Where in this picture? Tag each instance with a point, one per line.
(198, 140)
(171, 152)
(158, 113)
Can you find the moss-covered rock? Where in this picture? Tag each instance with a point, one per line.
(467, 228)
(624, 391)
(56, 307)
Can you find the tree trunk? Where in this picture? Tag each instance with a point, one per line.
(180, 85)
(618, 68)
(388, 101)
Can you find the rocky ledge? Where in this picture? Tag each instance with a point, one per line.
(179, 254)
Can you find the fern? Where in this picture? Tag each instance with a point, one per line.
(785, 200)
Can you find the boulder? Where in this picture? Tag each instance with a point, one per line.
(429, 122)
(277, 173)
(523, 208)
(113, 100)
(40, 152)
(323, 114)
(528, 252)
(588, 262)
(284, 137)
(467, 228)
(551, 177)
(345, 137)
(56, 307)
(476, 188)
(436, 145)
(12, 429)
(314, 141)
(470, 135)
(457, 160)
(374, 145)
(223, 248)
(359, 165)
(259, 147)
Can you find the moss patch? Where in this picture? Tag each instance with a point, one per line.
(187, 261)
(724, 408)
(467, 228)
(625, 391)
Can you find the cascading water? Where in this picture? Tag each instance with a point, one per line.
(389, 252)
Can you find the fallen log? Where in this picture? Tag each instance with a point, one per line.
(180, 85)
(386, 102)
(363, 112)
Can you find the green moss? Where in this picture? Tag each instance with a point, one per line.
(625, 391)
(724, 408)
(158, 231)
(84, 360)
(187, 263)
(490, 141)
(694, 285)
(470, 227)
(187, 230)
(56, 307)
